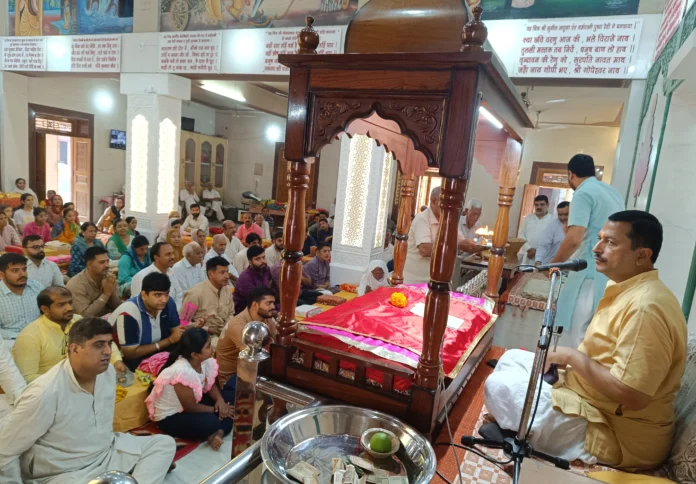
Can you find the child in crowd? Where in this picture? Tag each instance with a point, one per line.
(185, 401)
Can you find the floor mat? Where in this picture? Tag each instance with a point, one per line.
(183, 446)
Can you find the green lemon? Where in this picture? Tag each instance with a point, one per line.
(381, 442)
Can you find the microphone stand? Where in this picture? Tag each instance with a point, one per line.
(519, 447)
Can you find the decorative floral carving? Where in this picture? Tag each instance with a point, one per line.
(425, 116)
(330, 111)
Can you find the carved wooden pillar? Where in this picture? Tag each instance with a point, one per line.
(441, 268)
(509, 173)
(403, 226)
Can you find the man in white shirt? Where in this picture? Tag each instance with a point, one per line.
(61, 429)
(240, 260)
(162, 261)
(188, 271)
(38, 268)
(469, 221)
(234, 245)
(533, 226)
(187, 196)
(219, 248)
(275, 252)
(195, 221)
(213, 201)
(421, 242)
(11, 381)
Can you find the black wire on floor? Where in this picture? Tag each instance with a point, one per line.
(499, 464)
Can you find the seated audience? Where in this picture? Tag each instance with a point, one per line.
(186, 402)
(48, 201)
(213, 297)
(86, 239)
(21, 187)
(173, 215)
(7, 210)
(376, 276)
(114, 212)
(248, 228)
(70, 408)
(212, 201)
(188, 271)
(41, 345)
(469, 221)
(172, 224)
(324, 233)
(615, 403)
(388, 254)
(257, 274)
(11, 381)
(195, 220)
(234, 245)
(553, 235)
(219, 250)
(132, 226)
(39, 226)
(188, 196)
(54, 210)
(265, 228)
(162, 256)
(241, 261)
(260, 307)
(319, 269)
(266, 212)
(118, 244)
(148, 322)
(133, 260)
(176, 240)
(202, 239)
(310, 245)
(17, 296)
(307, 296)
(38, 268)
(95, 289)
(25, 213)
(314, 225)
(8, 235)
(67, 229)
(275, 252)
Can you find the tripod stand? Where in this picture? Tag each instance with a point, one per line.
(519, 447)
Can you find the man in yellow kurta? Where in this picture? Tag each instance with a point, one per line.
(44, 342)
(615, 404)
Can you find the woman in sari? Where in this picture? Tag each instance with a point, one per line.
(176, 240)
(54, 211)
(67, 229)
(134, 260)
(376, 276)
(86, 239)
(49, 199)
(119, 242)
(114, 212)
(132, 225)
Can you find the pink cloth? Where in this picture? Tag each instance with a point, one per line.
(32, 229)
(242, 232)
(154, 364)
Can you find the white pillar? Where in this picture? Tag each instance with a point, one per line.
(362, 207)
(14, 129)
(628, 137)
(152, 152)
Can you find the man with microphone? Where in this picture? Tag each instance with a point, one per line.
(614, 402)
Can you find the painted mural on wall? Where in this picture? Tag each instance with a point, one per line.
(531, 9)
(178, 15)
(70, 17)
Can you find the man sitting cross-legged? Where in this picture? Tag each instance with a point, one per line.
(41, 345)
(61, 428)
(614, 404)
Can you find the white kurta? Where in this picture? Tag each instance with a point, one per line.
(531, 230)
(215, 205)
(233, 247)
(60, 433)
(186, 276)
(468, 233)
(192, 225)
(11, 381)
(211, 253)
(188, 199)
(273, 255)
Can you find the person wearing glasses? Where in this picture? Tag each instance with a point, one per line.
(38, 268)
(43, 343)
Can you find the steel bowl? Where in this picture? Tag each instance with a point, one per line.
(365, 443)
(317, 434)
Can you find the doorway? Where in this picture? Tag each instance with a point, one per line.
(61, 155)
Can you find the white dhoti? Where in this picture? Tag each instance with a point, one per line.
(553, 432)
(215, 206)
(582, 313)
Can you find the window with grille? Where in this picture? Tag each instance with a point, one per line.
(49, 124)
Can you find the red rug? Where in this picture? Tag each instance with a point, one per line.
(183, 447)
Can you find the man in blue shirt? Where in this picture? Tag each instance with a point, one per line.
(18, 295)
(553, 235)
(593, 203)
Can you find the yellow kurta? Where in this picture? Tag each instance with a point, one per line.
(639, 333)
(42, 345)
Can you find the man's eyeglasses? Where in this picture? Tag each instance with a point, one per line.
(36, 247)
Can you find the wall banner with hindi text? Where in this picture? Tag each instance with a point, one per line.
(284, 41)
(581, 48)
(190, 52)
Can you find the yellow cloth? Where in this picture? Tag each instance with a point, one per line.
(618, 477)
(67, 236)
(130, 412)
(639, 334)
(43, 344)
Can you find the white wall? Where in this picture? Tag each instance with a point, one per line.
(328, 174)
(203, 115)
(558, 146)
(484, 188)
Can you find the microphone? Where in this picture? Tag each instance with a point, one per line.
(574, 265)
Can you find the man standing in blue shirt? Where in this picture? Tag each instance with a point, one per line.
(593, 203)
